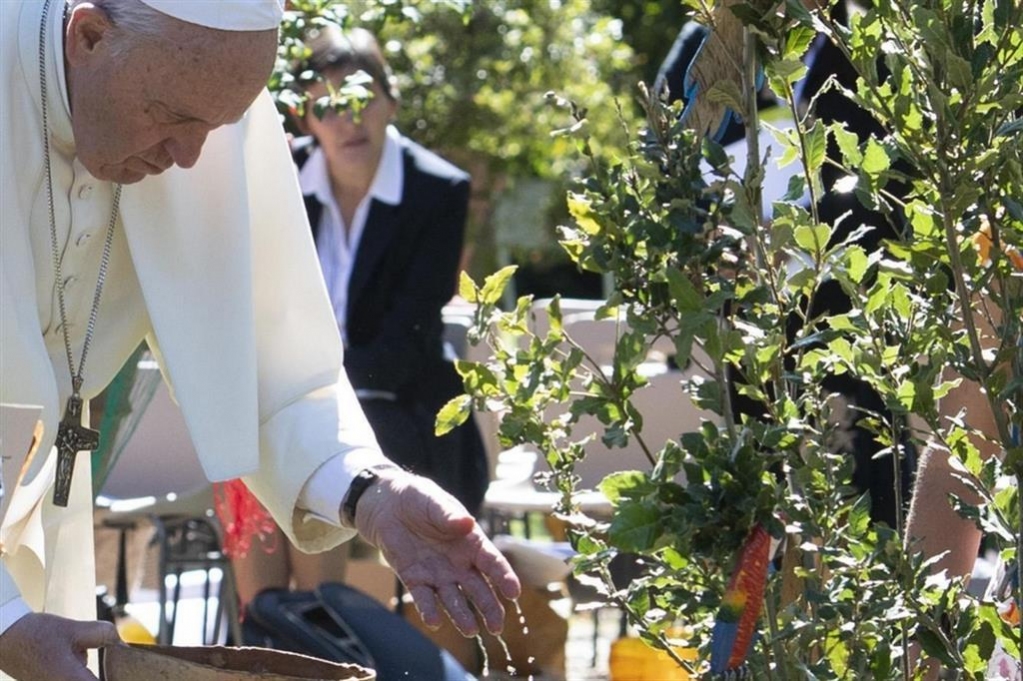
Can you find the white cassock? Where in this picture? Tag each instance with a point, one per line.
(216, 268)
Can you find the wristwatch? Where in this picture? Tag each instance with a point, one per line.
(365, 479)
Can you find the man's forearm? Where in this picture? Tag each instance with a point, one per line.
(934, 527)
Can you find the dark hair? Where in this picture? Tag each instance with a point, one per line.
(354, 49)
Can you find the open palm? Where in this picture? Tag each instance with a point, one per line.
(438, 551)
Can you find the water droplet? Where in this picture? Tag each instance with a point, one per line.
(507, 655)
(483, 652)
(522, 619)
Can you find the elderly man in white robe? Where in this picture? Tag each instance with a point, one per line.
(147, 193)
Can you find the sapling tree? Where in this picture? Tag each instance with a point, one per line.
(695, 260)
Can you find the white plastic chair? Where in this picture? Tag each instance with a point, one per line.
(540, 321)
(599, 337)
(667, 412)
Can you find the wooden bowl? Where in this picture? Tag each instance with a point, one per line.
(219, 663)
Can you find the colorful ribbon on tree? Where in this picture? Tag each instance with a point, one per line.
(736, 623)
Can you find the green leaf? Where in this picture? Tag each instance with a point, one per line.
(959, 71)
(931, 27)
(580, 208)
(742, 215)
(684, 344)
(875, 161)
(636, 526)
(859, 516)
(801, 280)
(796, 188)
(453, 414)
(848, 144)
(798, 41)
(984, 629)
(787, 71)
(945, 387)
(707, 394)
(878, 294)
(790, 153)
(683, 293)
(924, 219)
(493, 286)
(932, 645)
(856, 263)
(477, 376)
(622, 484)
(842, 348)
(467, 288)
(901, 301)
(715, 154)
(1014, 459)
(906, 393)
(554, 318)
(1015, 208)
(813, 239)
(816, 147)
(989, 32)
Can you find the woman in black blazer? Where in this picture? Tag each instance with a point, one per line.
(388, 217)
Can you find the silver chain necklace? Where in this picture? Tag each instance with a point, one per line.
(72, 437)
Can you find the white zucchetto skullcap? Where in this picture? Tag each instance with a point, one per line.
(226, 15)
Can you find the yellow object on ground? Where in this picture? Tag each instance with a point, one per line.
(133, 631)
(633, 660)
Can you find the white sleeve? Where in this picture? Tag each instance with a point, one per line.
(310, 452)
(321, 496)
(313, 436)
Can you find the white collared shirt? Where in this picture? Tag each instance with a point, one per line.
(337, 244)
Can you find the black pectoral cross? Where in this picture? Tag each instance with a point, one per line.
(72, 437)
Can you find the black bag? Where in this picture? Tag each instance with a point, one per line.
(296, 621)
(341, 624)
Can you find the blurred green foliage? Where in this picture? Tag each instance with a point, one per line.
(650, 27)
(473, 79)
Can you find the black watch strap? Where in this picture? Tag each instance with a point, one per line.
(365, 479)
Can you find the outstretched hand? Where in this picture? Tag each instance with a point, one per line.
(44, 647)
(438, 551)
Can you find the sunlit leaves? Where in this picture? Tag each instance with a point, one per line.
(875, 162)
(453, 414)
(746, 305)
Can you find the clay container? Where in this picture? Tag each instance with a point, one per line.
(219, 663)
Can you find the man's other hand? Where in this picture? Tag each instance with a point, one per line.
(41, 647)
